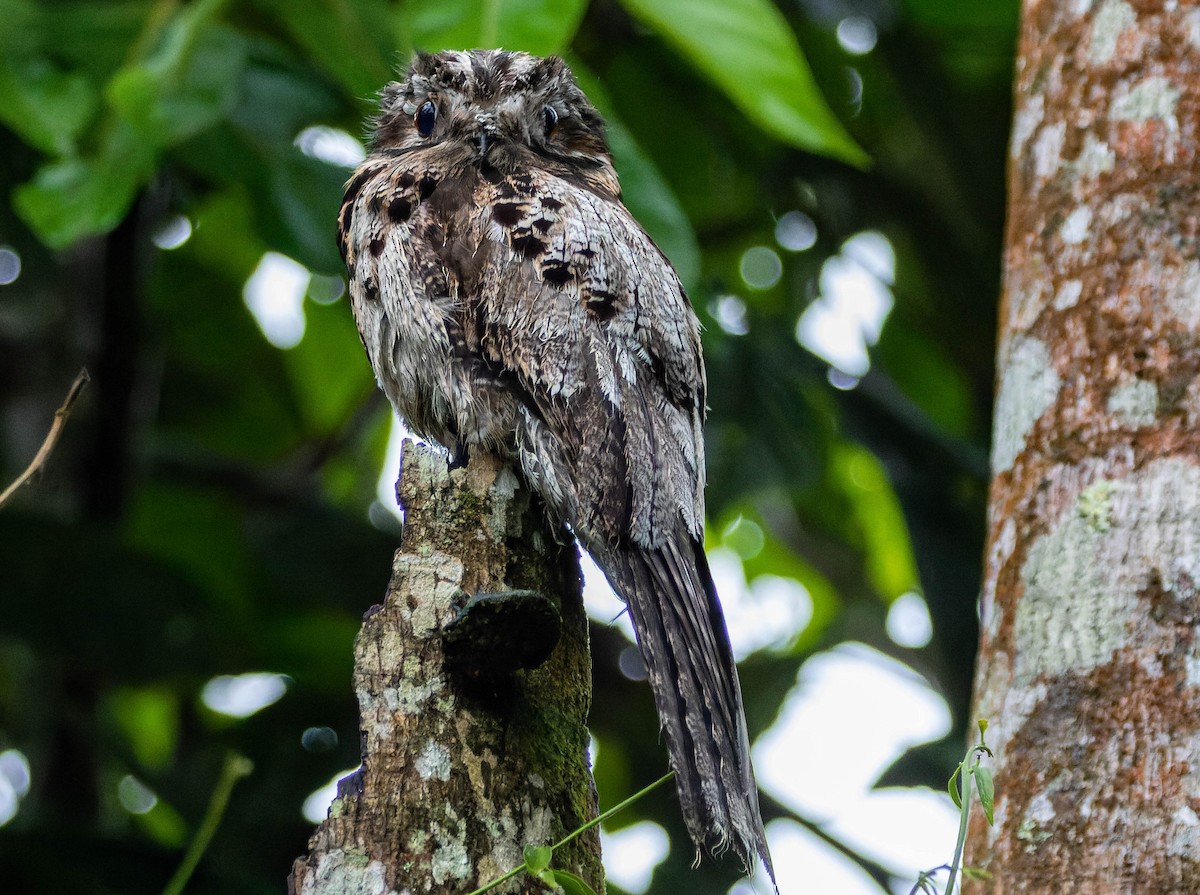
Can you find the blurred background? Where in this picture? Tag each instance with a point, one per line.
(184, 579)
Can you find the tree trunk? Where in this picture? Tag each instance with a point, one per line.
(1090, 664)
(461, 770)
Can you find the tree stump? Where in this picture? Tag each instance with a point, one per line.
(462, 767)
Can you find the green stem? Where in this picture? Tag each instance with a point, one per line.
(236, 767)
(587, 826)
(964, 792)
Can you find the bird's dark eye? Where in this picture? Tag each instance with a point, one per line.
(425, 117)
(550, 118)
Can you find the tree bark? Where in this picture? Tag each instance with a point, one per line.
(460, 772)
(1090, 664)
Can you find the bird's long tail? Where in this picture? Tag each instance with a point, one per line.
(683, 641)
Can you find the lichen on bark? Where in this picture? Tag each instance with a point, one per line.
(459, 773)
(1090, 656)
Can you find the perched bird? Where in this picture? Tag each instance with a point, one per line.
(510, 303)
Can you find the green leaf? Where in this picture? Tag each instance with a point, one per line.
(330, 343)
(540, 27)
(303, 198)
(748, 50)
(644, 190)
(351, 41)
(571, 884)
(922, 367)
(878, 519)
(70, 199)
(189, 85)
(223, 239)
(952, 788)
(149, 719)
(964, 15)
(48, 108)
(987, 791)
(96, 37)
(198, 533)
(537, 857)
(24, 27)
(649, 199)
(278, 96)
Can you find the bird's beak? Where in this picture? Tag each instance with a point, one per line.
(485, 136)
(484, 141)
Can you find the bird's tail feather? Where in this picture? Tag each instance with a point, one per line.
(684, 643)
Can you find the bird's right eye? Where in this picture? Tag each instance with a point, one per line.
(425, 117)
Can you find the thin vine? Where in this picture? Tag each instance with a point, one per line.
(538, 857)
(969, 770)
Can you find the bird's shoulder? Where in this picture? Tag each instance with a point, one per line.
(568, 266)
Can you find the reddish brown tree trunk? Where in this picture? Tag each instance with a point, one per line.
(1090, 665)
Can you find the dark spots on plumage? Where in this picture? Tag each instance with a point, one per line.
(343, 233)
(343, 241)
(492, 175)
(542, 225)
(371, 290)
(585, 253)
(551, 204)
(522, 184)
(601, 305)
(354, 187)
(507, 214)
(504, 190)
(375, 203)
(427, 186)
(399, 210)
(556, 273)
(376, 246)
(406, 179)
(528, 245)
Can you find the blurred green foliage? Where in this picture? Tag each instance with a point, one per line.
(209, 510)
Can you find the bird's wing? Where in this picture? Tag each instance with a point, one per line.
(581, 311)
(578, 305)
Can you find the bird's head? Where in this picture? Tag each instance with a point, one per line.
(494, 108)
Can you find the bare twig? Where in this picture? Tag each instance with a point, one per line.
(56, 429)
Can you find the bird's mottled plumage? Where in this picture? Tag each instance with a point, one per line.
(510, 303)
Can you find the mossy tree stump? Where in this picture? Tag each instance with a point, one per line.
(461, 769)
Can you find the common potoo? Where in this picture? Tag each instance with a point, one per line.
(509, 303)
